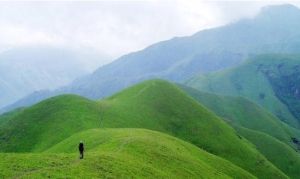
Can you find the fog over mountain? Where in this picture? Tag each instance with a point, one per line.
(178, 59)
(28, 69)
(99, 32)
(114, 28)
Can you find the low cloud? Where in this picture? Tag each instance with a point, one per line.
(114, 28)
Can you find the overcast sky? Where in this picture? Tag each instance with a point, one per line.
(114, 28)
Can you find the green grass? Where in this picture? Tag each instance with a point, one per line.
(242, 112)
(155, 105)
(280, 154)
(271, 137)
(43, 125)
(119, 153)
(170, 110)
(258, 79)
(4, 118)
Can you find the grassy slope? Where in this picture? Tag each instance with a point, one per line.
(154, 104)
(168, 109)
(118, 153)
(242, 112)
(250, 80)
(239, 111)
(4, 118)
(34, 128)
(280, 154)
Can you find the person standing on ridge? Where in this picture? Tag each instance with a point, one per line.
(81, 149)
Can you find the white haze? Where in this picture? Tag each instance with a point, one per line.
(114, 28)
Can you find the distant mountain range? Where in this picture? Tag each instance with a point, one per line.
(28, 69)
(274, 30)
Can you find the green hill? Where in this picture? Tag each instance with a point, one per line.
(9, 115)
(269, 80)
(239, 111)
(280, 154)
(43, 125)
(155, 104)
(271, 137)
(119, 153)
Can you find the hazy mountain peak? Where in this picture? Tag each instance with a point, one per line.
(283, 10)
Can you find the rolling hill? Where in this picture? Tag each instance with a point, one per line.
(272, 137)
(279, 153)
(119, 153)
(181, 58)
(271, 81)
(155, 105)
(239, 111)
(9, 115)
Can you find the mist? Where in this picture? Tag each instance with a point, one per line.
(114, 28)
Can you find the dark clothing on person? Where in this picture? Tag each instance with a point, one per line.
(81, 149)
